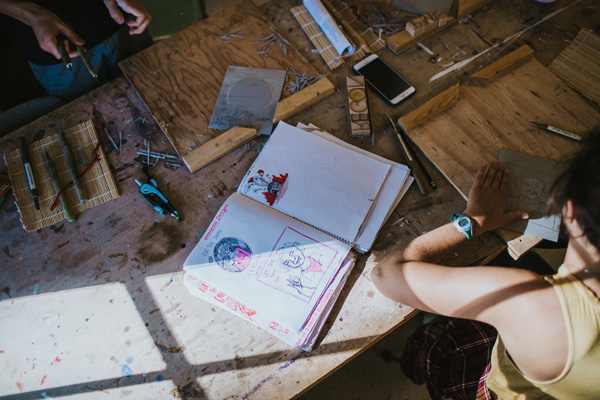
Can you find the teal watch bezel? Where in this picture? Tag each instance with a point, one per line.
(466, 230)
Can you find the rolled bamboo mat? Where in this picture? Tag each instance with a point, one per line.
(98, 181)
(579, 65)
(362, 37)
(317, 37)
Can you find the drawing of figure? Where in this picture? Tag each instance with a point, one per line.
(274, 188)
(305, 271)
(530, 198)
(258, 182)
(232, 254)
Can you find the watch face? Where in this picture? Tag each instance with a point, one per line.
(464, 223)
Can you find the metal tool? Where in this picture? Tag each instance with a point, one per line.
(558, 131)
(70, 159)
(155, 197)
(64, 54)
(88, 63)
(57, 186)
(29, 171)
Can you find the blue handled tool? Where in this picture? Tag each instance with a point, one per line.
(160, 202)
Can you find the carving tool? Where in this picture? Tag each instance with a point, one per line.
(421, 176)
(57, 186)
(72, 167)
(29, 171)
(155, 197)
(88, 63)
(64, 54)
(558, 131)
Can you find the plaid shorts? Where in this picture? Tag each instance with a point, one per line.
(452, 357)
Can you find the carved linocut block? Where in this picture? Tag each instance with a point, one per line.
(358, 108)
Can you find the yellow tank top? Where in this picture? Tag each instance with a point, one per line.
(579, 380)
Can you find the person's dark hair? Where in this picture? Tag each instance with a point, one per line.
(580, 183)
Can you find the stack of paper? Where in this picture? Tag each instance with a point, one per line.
(278, 251)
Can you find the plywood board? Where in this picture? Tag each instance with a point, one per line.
(179, 78)
(490, 117)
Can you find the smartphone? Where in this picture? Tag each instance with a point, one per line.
(385, 79)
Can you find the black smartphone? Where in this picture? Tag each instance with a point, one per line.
(385, 79)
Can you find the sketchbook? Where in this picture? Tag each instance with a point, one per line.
(278, 251)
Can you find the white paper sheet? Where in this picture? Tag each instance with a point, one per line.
(316, 181)
(267, 260)
(394, 188)
(332, 31)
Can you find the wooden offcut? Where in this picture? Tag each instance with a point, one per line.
(503, 65)
(98, 181)
(470, 132)
(303, 99)
(179, 78)
(358, 106)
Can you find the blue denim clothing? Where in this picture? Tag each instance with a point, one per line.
(70, 84)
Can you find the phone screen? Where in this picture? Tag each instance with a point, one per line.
(384, 78)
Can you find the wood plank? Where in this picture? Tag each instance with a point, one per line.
(496, 116)
(179, 78)
(503, 65)
(466, 7)
(431, 108)
(218, 147)
(303, 99)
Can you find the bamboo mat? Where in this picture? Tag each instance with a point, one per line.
(579, 65)
(363, 38)
(98, 181)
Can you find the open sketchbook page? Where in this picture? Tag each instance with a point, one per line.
(267, 260)
(303, 339)
(394, 188)
(316, 181)
(529, 181)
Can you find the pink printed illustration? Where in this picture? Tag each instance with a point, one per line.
(297, 264)
(272, 187)
(232, 254)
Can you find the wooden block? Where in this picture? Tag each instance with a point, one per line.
(305, 98)
(431, 108)
(415, 26)
(358, 106)
(442, 18)
(502, 66)
(218, 147)
(404, 40)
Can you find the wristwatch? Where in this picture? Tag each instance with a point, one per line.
(463, 224)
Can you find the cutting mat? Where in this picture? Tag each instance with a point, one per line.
(495, 111)
(179, 78)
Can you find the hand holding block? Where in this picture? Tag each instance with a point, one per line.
(358, 108)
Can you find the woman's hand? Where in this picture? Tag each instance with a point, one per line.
(485, 205)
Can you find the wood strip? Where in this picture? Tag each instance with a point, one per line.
(218, 147)
(431, 108)
(502, 66)
(304, 99)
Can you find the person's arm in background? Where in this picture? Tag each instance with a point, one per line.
(46, 25)
(133, 7)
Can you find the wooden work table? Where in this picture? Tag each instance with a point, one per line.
(99, 306)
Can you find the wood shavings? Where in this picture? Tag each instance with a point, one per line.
(301, 81)
(274, 37)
